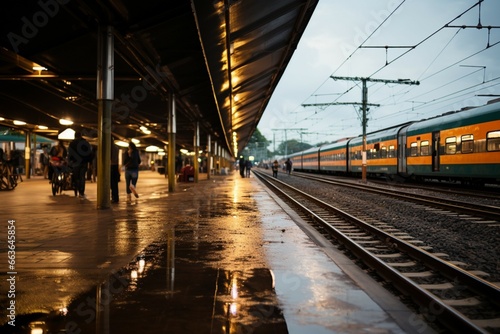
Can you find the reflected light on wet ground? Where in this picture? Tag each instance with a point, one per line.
(204, 299)
(199, 267)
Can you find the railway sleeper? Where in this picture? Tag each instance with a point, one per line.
(402, 264)
(419, 274)
(472, 301)
(388, 256)
(437, 286)
(488, 323)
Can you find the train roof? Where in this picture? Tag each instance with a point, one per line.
(380, 135)
(337, 144)
(489, 112)
(311, 150)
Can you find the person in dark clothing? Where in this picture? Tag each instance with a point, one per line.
(248, 167)
(288, 165)
(79, 155)
(242, 166)
(57, 153)
(115, 173)
(275, 168)
(131, 162)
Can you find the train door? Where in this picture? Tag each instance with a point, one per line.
(401, 151)
(435, 151)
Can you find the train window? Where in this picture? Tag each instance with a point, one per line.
(467, 143)
(413, 149)
(392, 152)
(450, 145)
(383, 152)
(493, 141)
(424, 148)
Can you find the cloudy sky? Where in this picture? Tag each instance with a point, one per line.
(348, 39)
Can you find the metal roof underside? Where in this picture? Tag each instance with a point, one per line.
(222, 61)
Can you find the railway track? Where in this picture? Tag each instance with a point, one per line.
(457, 299)
(490, 213)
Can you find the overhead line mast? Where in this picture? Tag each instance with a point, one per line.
(364, 105)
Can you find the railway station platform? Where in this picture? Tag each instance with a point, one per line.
(222, 255)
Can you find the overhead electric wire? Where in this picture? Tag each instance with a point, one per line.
(445, 98)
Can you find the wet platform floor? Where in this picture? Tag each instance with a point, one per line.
(217, 256)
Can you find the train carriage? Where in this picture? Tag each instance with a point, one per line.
(381, 152)
(310, 160)
(463, 145)
(460, 146)
(333, 157)
(296, 159)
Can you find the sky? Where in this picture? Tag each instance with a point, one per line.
(348, 38)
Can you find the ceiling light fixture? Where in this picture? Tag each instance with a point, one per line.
(68, 134)
(121, 143)
(64, 121)
(19, 122)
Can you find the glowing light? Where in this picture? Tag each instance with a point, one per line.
(133, 275)
(145, 130)
(142, 264)
(64, 121)
(19, 122)
(121, 143)
(162, 153)
(42, 127)
(233, 309)
(152, 148)
(68, 134)
(36, 330)
(2, 119)
(135, 141)
(39, 68)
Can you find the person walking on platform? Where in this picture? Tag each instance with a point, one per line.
(276, 166)
(44, 162)
(248, 167)
(242, 166)
(131, 162)
(79, 155)
(115, 173)
(288, 166)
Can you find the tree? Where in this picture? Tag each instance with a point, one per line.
(291, 146)
(257, 147)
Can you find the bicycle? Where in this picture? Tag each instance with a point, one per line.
(8, 176)
(61, 178)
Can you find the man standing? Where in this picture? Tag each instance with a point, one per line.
(79, 155)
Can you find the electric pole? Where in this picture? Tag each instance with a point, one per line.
(286, 140)
(364, 100)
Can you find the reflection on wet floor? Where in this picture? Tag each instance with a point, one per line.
(165, 291)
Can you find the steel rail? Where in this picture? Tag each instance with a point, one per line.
(449, 316)
(481, 210)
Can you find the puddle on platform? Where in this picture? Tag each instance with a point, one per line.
(166, 291)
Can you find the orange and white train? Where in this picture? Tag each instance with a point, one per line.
(458, 146)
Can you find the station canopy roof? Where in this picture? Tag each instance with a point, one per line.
(221, 60)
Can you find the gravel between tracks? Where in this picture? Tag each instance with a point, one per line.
(477, 245)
